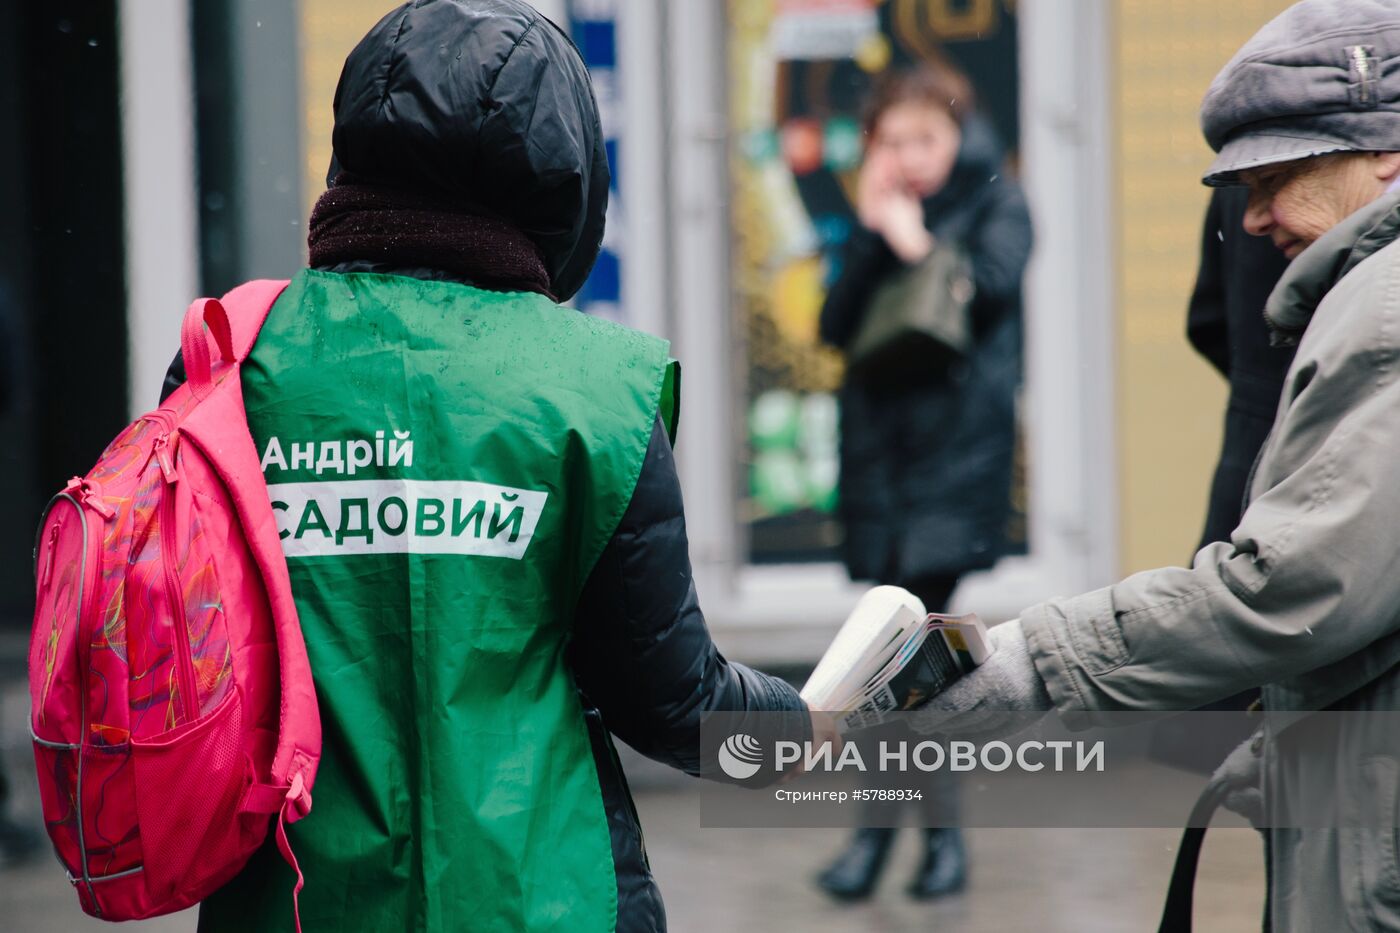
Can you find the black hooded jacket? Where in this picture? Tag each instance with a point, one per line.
(488, 104)
(925, 487)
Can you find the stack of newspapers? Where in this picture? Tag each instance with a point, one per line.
(891, 655)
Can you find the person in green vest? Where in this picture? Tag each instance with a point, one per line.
(479, 507)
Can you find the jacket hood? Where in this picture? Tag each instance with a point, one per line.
(488, 104)
(1322, 265)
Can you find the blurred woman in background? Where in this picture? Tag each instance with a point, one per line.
(926, 450)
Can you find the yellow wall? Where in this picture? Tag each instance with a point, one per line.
(1170, 402)
(329, 30)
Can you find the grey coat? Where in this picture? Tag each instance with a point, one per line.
(1304, 598)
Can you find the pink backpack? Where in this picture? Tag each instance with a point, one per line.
(173, 708)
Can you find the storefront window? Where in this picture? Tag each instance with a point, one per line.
(799, 71)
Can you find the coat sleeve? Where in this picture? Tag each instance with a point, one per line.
(1308, 578)
(641, 652)
(865, 259)
(999, 248)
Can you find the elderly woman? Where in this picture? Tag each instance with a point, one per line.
(1305, 598)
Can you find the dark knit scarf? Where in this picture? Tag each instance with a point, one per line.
(354, 221)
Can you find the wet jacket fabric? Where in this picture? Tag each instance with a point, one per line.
(925, 481)
(1304, 598)
(642, 660)
(435, 584)
(486, 105)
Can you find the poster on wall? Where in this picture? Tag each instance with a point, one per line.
(799, 72)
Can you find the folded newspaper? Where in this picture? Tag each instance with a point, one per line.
(891, 655)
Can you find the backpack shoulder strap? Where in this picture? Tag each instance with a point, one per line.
(299, 738)
(219, 427)
(247, 307)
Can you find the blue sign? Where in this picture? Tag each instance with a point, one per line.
(593, 25)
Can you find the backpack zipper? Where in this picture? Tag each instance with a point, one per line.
(76, 494)
(48, 567)
(161, 446)
(174, 593)
(162, 451)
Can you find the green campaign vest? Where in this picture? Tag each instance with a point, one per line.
(447, 465)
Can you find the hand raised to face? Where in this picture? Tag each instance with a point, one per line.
(889, 207)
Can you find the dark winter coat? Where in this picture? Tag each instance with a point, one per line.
(1226, 325)
(925, 484)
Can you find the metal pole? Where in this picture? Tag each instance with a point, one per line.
(162, 265)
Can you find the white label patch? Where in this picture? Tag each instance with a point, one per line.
(405, 516)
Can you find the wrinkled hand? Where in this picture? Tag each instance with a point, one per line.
(1006, 682)
(1240, 774)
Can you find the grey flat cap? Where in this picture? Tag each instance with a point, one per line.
(1323, 76)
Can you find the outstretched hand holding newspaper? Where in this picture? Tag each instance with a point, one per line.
(890, 655)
